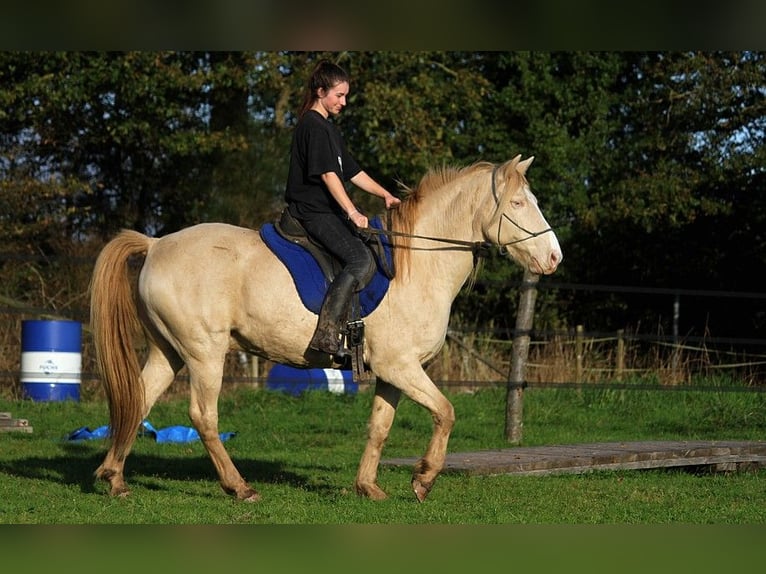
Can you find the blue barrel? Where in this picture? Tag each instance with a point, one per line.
(296, 381)
(51, 360)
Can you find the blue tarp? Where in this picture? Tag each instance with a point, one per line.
(168, 434)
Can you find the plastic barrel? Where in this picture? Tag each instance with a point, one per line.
(51, 360)
(296, 381)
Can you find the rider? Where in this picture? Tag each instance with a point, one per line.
(316, 196)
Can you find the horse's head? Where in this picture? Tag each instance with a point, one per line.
(517, 225)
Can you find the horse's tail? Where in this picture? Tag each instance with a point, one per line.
(115, 325)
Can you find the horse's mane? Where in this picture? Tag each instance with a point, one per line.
(403, 218)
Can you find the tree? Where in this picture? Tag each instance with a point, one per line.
(670, 207)
(133, 129)
(648, 165)
(556, 107)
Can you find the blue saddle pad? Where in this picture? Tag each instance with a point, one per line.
(309, 279)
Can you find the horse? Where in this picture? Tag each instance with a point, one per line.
(198, 293)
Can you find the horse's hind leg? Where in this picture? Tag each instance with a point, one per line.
(383, 410)
(203, 410)
(157, 375)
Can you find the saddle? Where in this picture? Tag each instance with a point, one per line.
(313, 268)
(292, 230)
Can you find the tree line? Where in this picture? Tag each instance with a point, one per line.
(649, 165)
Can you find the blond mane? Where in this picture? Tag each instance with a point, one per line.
(403, 218)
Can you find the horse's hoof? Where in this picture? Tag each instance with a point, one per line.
(421, 489)
(120, 492)
(371, 491)
(254, 497)
(249, 495)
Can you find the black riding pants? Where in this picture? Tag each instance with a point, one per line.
(340, 238)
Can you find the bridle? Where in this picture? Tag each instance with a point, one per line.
(503, 248)
(478, 248)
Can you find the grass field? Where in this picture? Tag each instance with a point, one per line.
(301, 454)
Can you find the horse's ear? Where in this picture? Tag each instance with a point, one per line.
(523, 166)
(515, 161)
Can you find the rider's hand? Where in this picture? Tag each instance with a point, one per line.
(392, 201)
(359, 219)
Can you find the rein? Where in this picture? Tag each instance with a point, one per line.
(478, 248)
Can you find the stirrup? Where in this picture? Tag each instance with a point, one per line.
(353, 346)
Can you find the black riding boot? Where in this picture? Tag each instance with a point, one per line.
(333, 314)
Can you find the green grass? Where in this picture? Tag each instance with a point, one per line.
(301, 454)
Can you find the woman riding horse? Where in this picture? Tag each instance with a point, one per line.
(317, 198)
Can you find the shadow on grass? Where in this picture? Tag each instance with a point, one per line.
(78, 463)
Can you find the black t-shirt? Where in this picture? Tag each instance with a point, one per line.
(317, 148)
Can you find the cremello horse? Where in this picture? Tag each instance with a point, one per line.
(212, 287)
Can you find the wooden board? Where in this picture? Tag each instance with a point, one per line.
(580, 458)
(9, 424)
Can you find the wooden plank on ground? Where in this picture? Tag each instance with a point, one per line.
(27, 429)
(580, 458)
(13, 422)
(8, 424)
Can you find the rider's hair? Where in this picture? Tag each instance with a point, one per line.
(326, 74)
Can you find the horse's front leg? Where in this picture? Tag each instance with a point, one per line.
(428, 468)
(421, 389)
(383, 410)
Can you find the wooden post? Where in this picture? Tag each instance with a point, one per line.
(514, 402)
(620, 354)
(579, 353)
(676, 316)
(255, 371)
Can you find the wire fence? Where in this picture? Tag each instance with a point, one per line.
(566, 358)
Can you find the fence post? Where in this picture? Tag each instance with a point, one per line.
(579, 330)
(620, 353)
(676, 316)
(514, 402)
(255, 368)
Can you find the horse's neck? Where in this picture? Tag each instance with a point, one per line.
(441, 263)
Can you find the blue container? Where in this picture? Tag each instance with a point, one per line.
(295, 381)
(51, 360)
